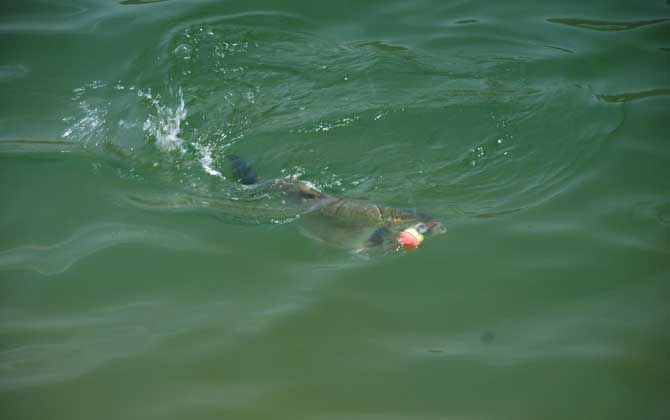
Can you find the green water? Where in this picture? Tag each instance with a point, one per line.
(138, 281)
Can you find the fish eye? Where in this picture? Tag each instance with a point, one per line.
(421, 227)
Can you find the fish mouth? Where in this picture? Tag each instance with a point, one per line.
(433, 228)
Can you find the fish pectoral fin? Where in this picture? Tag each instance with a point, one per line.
(375, 242)
(378, 236)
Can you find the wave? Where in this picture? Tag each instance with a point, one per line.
(604, 25)
(56, 258)
(293, 99)
(588, 329)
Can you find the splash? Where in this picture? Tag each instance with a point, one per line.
(294, 173)
(124, 116)
(207, 162)
(90, 125)
(165, 125)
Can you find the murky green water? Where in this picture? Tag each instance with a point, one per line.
(137, 281)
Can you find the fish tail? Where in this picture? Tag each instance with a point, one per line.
(243, 170)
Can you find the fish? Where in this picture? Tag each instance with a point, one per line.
(327, 213)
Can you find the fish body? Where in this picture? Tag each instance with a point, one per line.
(336, 217)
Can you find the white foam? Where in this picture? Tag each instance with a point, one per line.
(207, 162)
(165, 126)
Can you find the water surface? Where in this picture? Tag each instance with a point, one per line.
(139, 281)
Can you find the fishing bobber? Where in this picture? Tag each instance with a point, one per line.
(410, 238)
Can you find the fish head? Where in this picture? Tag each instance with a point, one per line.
(430, 228)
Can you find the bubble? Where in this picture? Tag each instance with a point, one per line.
(183, 50)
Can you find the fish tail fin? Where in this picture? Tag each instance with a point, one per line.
(243, 170)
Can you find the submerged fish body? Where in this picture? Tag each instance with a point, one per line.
(351, 223)
(352, 212)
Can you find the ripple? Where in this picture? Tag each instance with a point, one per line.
(244, 208)
(566, 50)
(590, 329)
(603, 25)
(633, 96)
(12, 71)
(466, 21)
(38, 147)
(65, 347)
(85, 341)
(286, 97)
(140, 2)
(57, 258)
